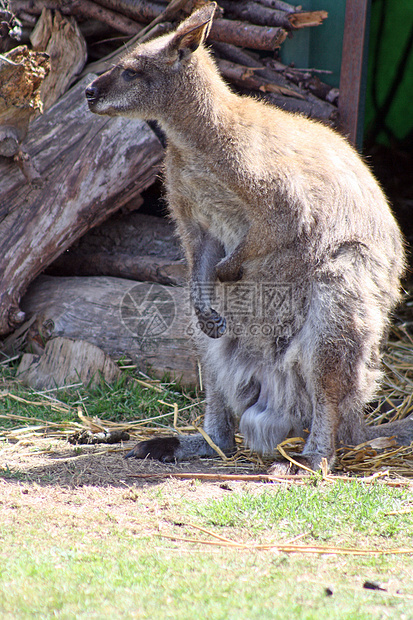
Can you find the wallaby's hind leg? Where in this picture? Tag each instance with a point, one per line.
(218, 424)
(340, 362)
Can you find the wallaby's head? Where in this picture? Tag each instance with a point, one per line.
(145, 80)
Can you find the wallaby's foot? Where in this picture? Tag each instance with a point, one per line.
(171, 449)
(159, 449)
(211, 323)
(228, 271)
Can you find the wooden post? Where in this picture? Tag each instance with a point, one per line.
(354, 69)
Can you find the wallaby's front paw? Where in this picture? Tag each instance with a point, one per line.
(159, 449)
(211, 323)
(227, 271)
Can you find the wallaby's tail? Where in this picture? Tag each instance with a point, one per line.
(402, 431)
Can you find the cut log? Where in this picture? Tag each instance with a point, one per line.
(64, 362)
(133, 246)
(91, 166)
(139, 10)
(313, 84)
(280, 5)
(247, 35)
(256, 13)
(61, 39)
(148, 323)
(140, 268)
(247, 77)
(91, 10)
(302, 102)
(307, 19)
(81, 8)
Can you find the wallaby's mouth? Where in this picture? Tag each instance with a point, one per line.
(93, 99)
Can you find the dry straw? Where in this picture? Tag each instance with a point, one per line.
(289, 547)
(376, 459)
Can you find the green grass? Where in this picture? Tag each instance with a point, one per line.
(108, 570)
(97, 553)
(324, 511)
(122, 401)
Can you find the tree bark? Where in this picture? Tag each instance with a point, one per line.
(279, 5)
(90, 167)
(148, 323)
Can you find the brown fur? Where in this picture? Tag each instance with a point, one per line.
(275, 205)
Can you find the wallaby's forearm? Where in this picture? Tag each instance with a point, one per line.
(209, 251)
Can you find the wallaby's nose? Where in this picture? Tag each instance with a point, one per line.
(91, 92)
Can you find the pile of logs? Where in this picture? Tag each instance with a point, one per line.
(242, 31)
(56, 184)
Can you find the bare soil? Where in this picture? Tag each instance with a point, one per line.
(68, 485)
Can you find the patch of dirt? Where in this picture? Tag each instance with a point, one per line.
(54, 461)
(93, 488)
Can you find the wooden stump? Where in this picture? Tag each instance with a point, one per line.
(64, 362)
(148, 323)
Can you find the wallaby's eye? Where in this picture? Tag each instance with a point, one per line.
(129, 74)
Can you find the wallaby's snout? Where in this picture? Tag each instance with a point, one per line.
(98, 94)
(92, 96)
(91, 93)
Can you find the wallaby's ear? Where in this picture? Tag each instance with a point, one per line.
(194, 30)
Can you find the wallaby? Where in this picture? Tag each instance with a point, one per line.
(284, 211)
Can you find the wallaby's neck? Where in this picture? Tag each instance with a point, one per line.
(202, 114)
